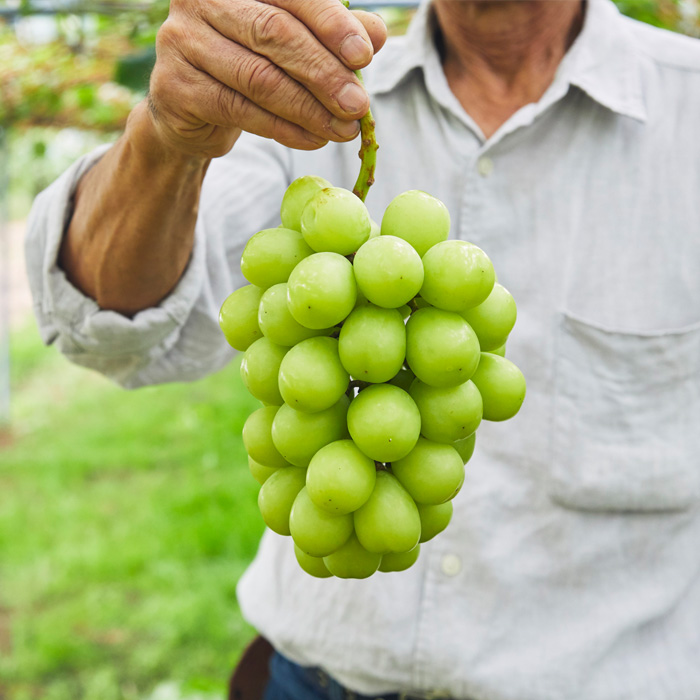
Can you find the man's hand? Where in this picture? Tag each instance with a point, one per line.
(282, 69)
(277, 68)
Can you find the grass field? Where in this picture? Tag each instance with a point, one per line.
(126, 519)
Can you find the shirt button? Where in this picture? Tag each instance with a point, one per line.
(484, 166)
(451, 565)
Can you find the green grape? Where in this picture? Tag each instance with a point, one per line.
(447, 413)
(405, 311)
(311, 376)
(389, 520)
(441, 347)
(257, 438)
(399, 561)
(372, 343)
(417, 217)
(259, 369)
(313, 566)
(297, 197)
(498, 351)
(501, 385)
(403, 379)
(277, 495)
(458, 276)
(384, 422)
(298, 436)
(238, 317)
(335, 220)
(322, 291)
(270, 256)
(375, 229)
(277, 323)
(465, 447)
(432, 472)
(493, 319)
(434, 519)
(260, 472)
(340, 478)
(314, 530)
(352, 560)
(388, 271)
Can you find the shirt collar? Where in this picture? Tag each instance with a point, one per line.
(405, 53)
(603, 62)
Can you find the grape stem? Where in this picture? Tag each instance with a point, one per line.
(368, 152)
(368, 149)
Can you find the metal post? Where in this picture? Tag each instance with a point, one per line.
(4, 287)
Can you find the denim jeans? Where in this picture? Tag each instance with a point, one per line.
(289, 681)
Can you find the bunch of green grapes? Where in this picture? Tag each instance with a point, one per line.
(376, 353)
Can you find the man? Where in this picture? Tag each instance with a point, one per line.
(564, 140)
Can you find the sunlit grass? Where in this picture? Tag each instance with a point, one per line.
(126, 519)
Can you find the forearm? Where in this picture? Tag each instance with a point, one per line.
(132, 230)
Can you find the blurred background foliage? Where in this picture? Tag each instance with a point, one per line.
(126, 518)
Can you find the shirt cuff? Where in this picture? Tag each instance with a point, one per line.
(107, 341)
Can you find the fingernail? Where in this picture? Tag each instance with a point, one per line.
(355, 50)
(345, 129)
(352, 97)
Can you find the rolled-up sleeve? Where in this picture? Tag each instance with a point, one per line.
(179, 339)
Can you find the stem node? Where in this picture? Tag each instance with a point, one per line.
(368, 153)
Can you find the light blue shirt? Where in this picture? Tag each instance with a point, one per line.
(571, 570)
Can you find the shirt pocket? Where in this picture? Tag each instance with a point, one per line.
(626, 419)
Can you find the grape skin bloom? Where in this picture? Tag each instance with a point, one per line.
(389, 271)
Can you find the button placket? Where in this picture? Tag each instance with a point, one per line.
(475, 196)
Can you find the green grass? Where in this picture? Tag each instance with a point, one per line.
(126, 519)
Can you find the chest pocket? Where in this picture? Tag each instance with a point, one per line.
(626, 419)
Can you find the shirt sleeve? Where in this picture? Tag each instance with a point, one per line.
(179, 339)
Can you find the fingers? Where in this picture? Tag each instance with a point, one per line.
(374, 26)
(282, 69)
(262, 82)
(284, 40)
(338, 29)
(201, 99)
(268, 86)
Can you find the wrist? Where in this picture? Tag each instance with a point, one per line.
(145, 136)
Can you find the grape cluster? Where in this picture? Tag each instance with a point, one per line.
(376, 353)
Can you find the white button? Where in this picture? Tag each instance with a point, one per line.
(484, 166)
(451, 565)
